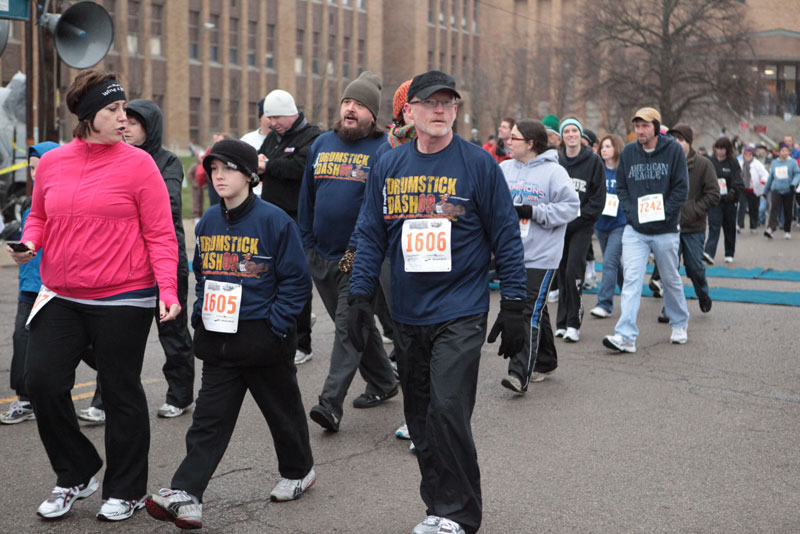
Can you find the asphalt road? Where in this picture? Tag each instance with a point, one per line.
(695, 438)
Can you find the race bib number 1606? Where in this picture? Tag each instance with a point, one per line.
(426, 245)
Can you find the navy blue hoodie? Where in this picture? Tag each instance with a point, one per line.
(257, 245)
(662, 171)
(464, 184)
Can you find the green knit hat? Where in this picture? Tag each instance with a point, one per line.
(551, 123)
(367, 90)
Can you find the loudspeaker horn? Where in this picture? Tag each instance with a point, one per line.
(5, 27)
(83, 33)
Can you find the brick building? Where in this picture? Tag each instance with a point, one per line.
(207, 62)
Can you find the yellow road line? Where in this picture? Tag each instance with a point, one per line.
(78, 396)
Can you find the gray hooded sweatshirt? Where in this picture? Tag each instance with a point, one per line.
(547, 188)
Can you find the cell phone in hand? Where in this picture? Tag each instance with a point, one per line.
(17, 246)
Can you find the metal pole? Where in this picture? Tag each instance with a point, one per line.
(29, 90)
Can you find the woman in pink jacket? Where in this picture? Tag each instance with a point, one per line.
(101, 216)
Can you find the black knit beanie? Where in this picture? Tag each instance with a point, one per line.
(237, 155)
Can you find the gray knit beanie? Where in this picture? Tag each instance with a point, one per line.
(367, 90)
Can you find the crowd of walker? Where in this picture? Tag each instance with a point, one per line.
(399, 224)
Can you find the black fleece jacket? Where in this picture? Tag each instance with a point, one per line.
(168, 164)
(287, 155)
(589, 178)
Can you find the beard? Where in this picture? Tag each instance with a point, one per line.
(350, 134)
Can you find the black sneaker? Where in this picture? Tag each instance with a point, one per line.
(366, 400)
(663, 317)
(705, 304)
(324, 418)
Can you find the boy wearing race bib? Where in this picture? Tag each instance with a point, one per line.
(652, 186)
(252, 283)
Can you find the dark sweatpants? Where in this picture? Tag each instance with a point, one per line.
(20, 341)
(59, 336)
(722, 217)
(539, 351)
(275, 390)
(438, 367)
(780, 202)
(177, 344)
(571, 272)
(333, 287)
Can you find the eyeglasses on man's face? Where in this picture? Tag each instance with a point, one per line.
(431, 103)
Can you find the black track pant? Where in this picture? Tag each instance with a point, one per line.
(571, 272)
(438, 367)
(539, 351)
(222, 391)
(59, 336)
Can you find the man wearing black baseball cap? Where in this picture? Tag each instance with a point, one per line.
(439, 207)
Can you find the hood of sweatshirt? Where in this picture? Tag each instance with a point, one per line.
(150, 116)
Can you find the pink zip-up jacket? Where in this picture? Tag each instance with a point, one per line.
(102, 215)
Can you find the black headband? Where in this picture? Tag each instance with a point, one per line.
(98, 97)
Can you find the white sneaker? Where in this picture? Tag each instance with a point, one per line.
(447, 526)
(590, 282)
(302, 357)
(176, 506)
(402, 432)
(119, 509)
(93, 415)
(313, 319)
(552, 296)
(597, 311)
(167, 410)
(429, 525)
(728, 259)
(539, 377)
(513, 383)
(787, 235)
(18, 412)
(288, 490)
(60, 500)
(560, 332)
(708, 258)
(678, 336)
(572, 335)
(386, 340)
(616, 342)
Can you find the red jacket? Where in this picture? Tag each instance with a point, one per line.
(102, 215)
(492, 149)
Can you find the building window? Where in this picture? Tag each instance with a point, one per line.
(430, 59)
(132, 40)
(442, 9)
(453, 14)
(362, 4)
(194, 34)
(270, 57)
(194, 120)
(213, 37)
(331, 54)
(346, 57)
(252, 121)
(475, 17)
(299, 51)
(233, 41)
(441, 61)
(214, 115)
(362, 55)
(430, 11)
(315, 43)
(252, 29)
(156, 28)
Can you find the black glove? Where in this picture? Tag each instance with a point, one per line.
(511, 323)
(359, 315)
(524, 212)
(346, 262)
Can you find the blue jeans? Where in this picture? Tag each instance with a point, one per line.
(611, 245)
(636, 248)
(692, 251)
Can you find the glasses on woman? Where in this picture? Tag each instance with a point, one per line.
(514, 138)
